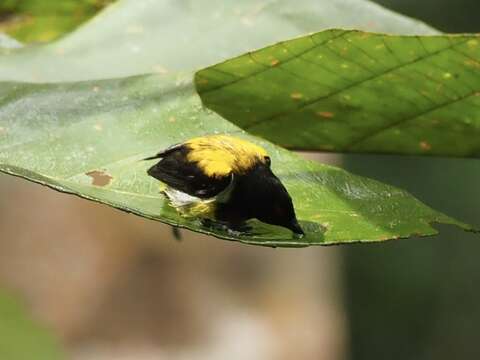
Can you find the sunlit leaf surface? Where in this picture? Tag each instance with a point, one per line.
(352, 91)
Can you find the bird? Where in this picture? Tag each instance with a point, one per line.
(225, 180)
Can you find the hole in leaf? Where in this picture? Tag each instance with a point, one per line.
(99, 178)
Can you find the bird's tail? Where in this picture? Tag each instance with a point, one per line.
(165, 152)
(158, 156)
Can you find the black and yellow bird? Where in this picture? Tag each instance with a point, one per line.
(225, 180)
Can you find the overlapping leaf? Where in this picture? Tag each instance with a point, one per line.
(353, 91)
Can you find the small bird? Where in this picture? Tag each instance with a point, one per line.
(224, 180)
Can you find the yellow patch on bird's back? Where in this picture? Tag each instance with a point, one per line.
(220, 155)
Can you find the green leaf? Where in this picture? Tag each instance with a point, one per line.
(88, 138)
(353, 91)
(20, 337)
(45, 20)
(133, 37)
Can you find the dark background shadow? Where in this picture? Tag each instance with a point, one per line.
(419, 298)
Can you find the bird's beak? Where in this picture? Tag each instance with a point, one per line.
(295, 227)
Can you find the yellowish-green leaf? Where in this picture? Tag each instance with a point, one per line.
(352, 91)
(45, 20)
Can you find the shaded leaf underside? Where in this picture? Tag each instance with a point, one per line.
(133, 37)
(352, 91)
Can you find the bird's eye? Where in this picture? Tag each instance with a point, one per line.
(267, 160)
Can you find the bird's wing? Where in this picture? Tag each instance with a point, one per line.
(180, 173)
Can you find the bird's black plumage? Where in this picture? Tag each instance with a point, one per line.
(176, 171)
(259, 194)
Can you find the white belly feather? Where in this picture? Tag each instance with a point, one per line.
(183, 201)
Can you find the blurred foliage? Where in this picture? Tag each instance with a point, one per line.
(446, 15)
(20, 337)
(45, 20)
(420, 300)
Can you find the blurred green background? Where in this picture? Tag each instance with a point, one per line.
(131, 292)
(418, 299)
(45, 20)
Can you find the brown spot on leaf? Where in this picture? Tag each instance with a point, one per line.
(472, 63)
(296, 95)
(99, 178)
(172, 119)
(274, 62)
(326, 114)
(425, 146)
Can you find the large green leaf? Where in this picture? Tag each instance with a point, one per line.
(352, 91)
(20, 337)
(134, 37)
(88, 138)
